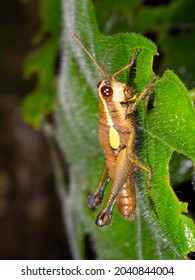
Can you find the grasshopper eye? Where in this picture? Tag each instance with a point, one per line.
(106, 91)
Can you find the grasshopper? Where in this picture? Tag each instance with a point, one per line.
(117, 130)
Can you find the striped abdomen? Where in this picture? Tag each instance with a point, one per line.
(127, 200)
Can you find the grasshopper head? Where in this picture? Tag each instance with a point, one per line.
(112, 90)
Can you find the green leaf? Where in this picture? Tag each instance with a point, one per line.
(41, 101)
(171, 127)
(162, 228)
(170, 24)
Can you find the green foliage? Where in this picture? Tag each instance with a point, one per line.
(171, 26)
(41, 101)
(162, 228)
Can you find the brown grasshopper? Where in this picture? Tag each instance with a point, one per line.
(117, 102)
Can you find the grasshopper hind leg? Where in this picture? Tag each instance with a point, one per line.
(104, 218)
(126, 200)
(97, 196)
(122, 170)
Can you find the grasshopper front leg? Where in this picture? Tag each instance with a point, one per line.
(133, 106)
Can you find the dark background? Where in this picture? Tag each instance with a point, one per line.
(30, 215)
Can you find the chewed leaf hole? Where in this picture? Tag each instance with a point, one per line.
(156, 3)
(181, 171)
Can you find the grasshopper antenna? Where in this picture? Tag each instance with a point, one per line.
(97, 65)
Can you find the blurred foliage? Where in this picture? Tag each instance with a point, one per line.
(42, 62)
(166, 231)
